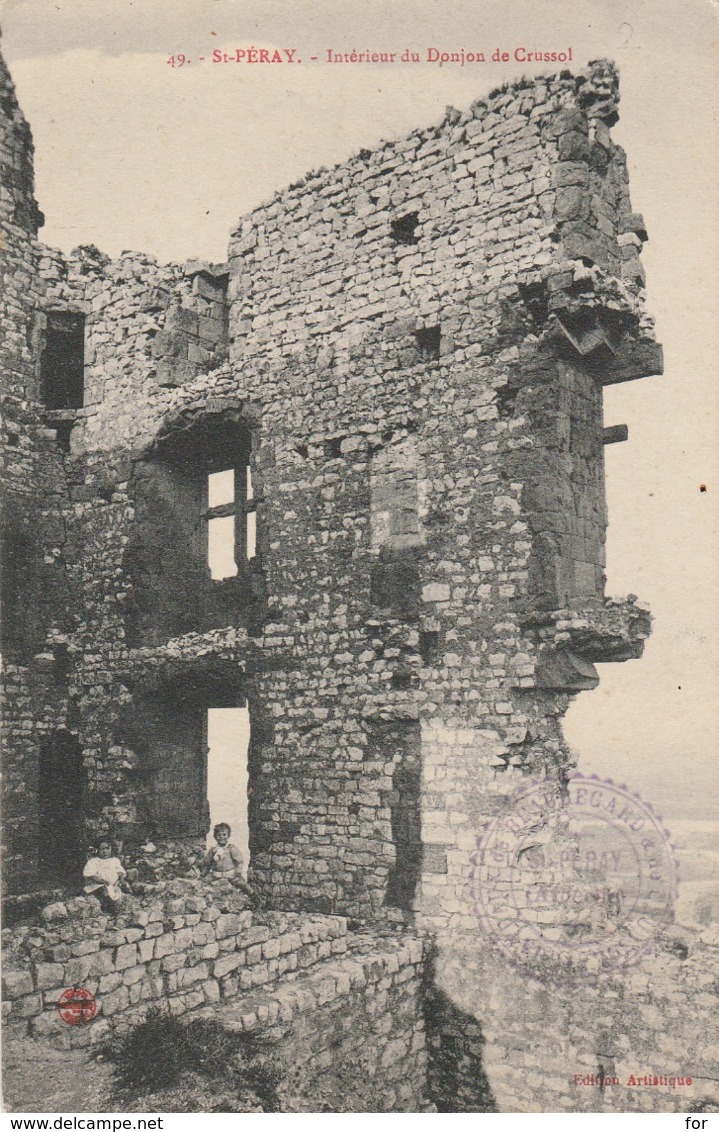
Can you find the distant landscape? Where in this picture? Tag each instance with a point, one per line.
(696, 844)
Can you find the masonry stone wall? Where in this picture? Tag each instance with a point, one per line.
(534, 1046)
(418, 342)
(34, 579)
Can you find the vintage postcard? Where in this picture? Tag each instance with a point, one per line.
(359, 551)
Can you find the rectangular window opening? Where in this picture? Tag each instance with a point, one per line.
(429, 646)
(228, 740)
(62, 363)
(231, 516)
(333, 448)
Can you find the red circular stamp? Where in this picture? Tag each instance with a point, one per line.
(77, 1006)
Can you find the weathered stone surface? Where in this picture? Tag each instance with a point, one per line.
(407, 354)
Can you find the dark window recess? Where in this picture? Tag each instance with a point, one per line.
(429, 646)
(333, 448)
(62, 365)
(63, 663)
(428, 341)
(404, 230)
(194, 535)
(231, 520)
(61, 792)
(394, 583)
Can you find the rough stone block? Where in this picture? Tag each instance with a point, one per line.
(211, 990)
(133, 975)
(46, 1025)
(255, 935)
(203, 934)
(174, 962)
(110, 982)
(101, 963)
(146, 950)
(16, 984)
(229, 986)
(435, 591)
(126, 956)
(190, 975)
(271, 949)
(165, 945)
(85, 947)
(52, 913)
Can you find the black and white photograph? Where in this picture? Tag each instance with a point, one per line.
(359, 558)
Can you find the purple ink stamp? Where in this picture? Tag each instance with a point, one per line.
(573, 882)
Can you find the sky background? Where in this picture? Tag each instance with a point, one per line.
(133, 154)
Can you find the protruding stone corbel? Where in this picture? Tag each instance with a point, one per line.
(588, 338)
(561, 670)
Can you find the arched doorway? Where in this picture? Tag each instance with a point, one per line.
(61, 791)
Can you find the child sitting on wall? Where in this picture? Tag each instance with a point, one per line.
(103, 876)
(224, 860)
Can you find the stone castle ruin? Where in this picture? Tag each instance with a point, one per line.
(387, 403)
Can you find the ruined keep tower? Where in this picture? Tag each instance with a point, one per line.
(388, 402)
(402, 365)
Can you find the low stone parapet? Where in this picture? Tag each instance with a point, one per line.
(193, 945)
